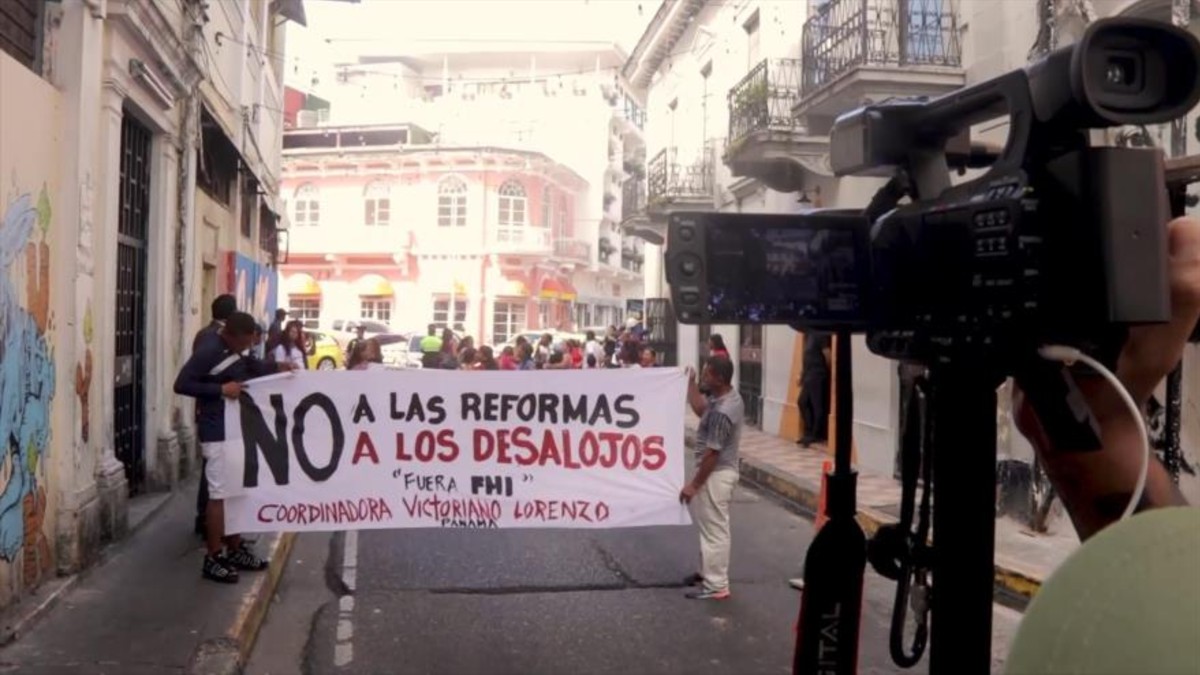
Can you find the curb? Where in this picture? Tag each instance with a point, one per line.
(227, 654)
(1013, 587)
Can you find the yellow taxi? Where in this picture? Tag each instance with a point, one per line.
(324, 351)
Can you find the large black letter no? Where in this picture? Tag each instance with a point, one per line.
(335, 424)
(255, 435)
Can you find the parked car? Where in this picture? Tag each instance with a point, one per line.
(345, 330)
(396, 350)
(324, 351)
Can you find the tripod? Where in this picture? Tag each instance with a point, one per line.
(962, 446)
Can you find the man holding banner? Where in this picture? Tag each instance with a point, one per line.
(215, 372)
(721, 410)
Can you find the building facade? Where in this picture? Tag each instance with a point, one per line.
(387, 227)
(740, 100)
(554, 118)
(99, 154)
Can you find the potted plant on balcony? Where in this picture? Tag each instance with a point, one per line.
(752, 99)
(605, 249)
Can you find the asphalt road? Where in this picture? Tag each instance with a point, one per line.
(529, 602)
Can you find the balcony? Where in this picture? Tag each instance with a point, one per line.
(766, 141)
(679, 182)
(633, 201)
(631, 256)
(856, 51)
(522, 240)
(606, 248)
(573, 250)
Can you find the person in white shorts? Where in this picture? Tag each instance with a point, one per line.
(215, 372)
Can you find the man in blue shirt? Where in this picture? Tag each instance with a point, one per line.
(222, 307)
(215, 372)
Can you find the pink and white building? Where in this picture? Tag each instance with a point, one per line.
(388, 226)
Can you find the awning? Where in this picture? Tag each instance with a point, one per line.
(302, 284)
(557, 289)
(512, 288)
(550, 289)
(373, 285)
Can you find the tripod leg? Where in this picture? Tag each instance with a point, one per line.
(964, 482)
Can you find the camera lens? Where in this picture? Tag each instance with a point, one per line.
(1120, 73)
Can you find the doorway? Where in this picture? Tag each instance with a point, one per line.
(129, 387)
(750, 373)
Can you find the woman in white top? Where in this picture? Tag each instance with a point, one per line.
(291, 346)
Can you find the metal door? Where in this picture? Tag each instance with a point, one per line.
(659, 320)
(750, 374)
(129, 393)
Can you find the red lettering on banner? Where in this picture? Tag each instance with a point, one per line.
(401, 454)
(448, 445)
(656, 457)
(367, 509)
(426, 446)
(480, 436)
(568, 459)
(520, 438)
(560, 448)
(552, 510)
(364, 448)
(549, 449)
(609, 460)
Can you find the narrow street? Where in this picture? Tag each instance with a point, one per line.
(530, 602)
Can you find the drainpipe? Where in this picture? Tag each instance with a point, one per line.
(185, 245)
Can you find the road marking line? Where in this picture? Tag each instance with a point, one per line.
(343, 650)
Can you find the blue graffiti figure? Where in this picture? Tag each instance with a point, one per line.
(26, 383)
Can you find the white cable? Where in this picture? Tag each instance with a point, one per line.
(1069, 355)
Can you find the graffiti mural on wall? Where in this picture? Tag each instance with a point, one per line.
(255, 286)
(26, 380)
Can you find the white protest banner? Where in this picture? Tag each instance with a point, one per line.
(340, 450)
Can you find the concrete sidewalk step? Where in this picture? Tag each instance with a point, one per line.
(147, 609)
(793, 473)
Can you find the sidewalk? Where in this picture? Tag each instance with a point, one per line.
(145, 609)
(778, 465)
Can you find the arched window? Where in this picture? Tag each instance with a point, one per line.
(560, 222)
(452, 202)
(377, 205)
(308, 206)
(547, 206)
(513, 205)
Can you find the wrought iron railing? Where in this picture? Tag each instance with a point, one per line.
(633, 199)
(846, 34)
(633, 112)
(573, 249)
(668, 178)
(764, 98)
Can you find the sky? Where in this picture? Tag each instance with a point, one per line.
(337, 30)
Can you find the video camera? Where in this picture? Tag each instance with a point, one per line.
(1059, 241)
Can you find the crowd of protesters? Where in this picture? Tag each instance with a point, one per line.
(626, 348)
